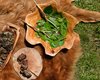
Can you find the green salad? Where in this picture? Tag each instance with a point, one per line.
(54, 35)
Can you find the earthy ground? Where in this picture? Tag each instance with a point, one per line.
(88, 67)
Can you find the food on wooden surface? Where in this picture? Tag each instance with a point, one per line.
(53, 38)
(6, 45)
(23, 62)
(54, 35)
(27, 62)
(8, 39)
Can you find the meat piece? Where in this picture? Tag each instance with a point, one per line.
(23, 67)
(26, 74)
(21, 57)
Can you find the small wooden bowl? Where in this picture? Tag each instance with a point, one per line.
(10, 27)
(31, 20)
(34, 62)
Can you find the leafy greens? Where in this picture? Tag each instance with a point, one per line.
(53, 35)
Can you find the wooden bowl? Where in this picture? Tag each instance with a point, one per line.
(31, 20)
(34, 62)
(15, 29)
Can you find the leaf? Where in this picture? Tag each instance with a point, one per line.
(48, 10)
(40, 22)
(47, 32)
(61, 43)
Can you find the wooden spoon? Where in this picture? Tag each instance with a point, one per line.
(43, 15)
